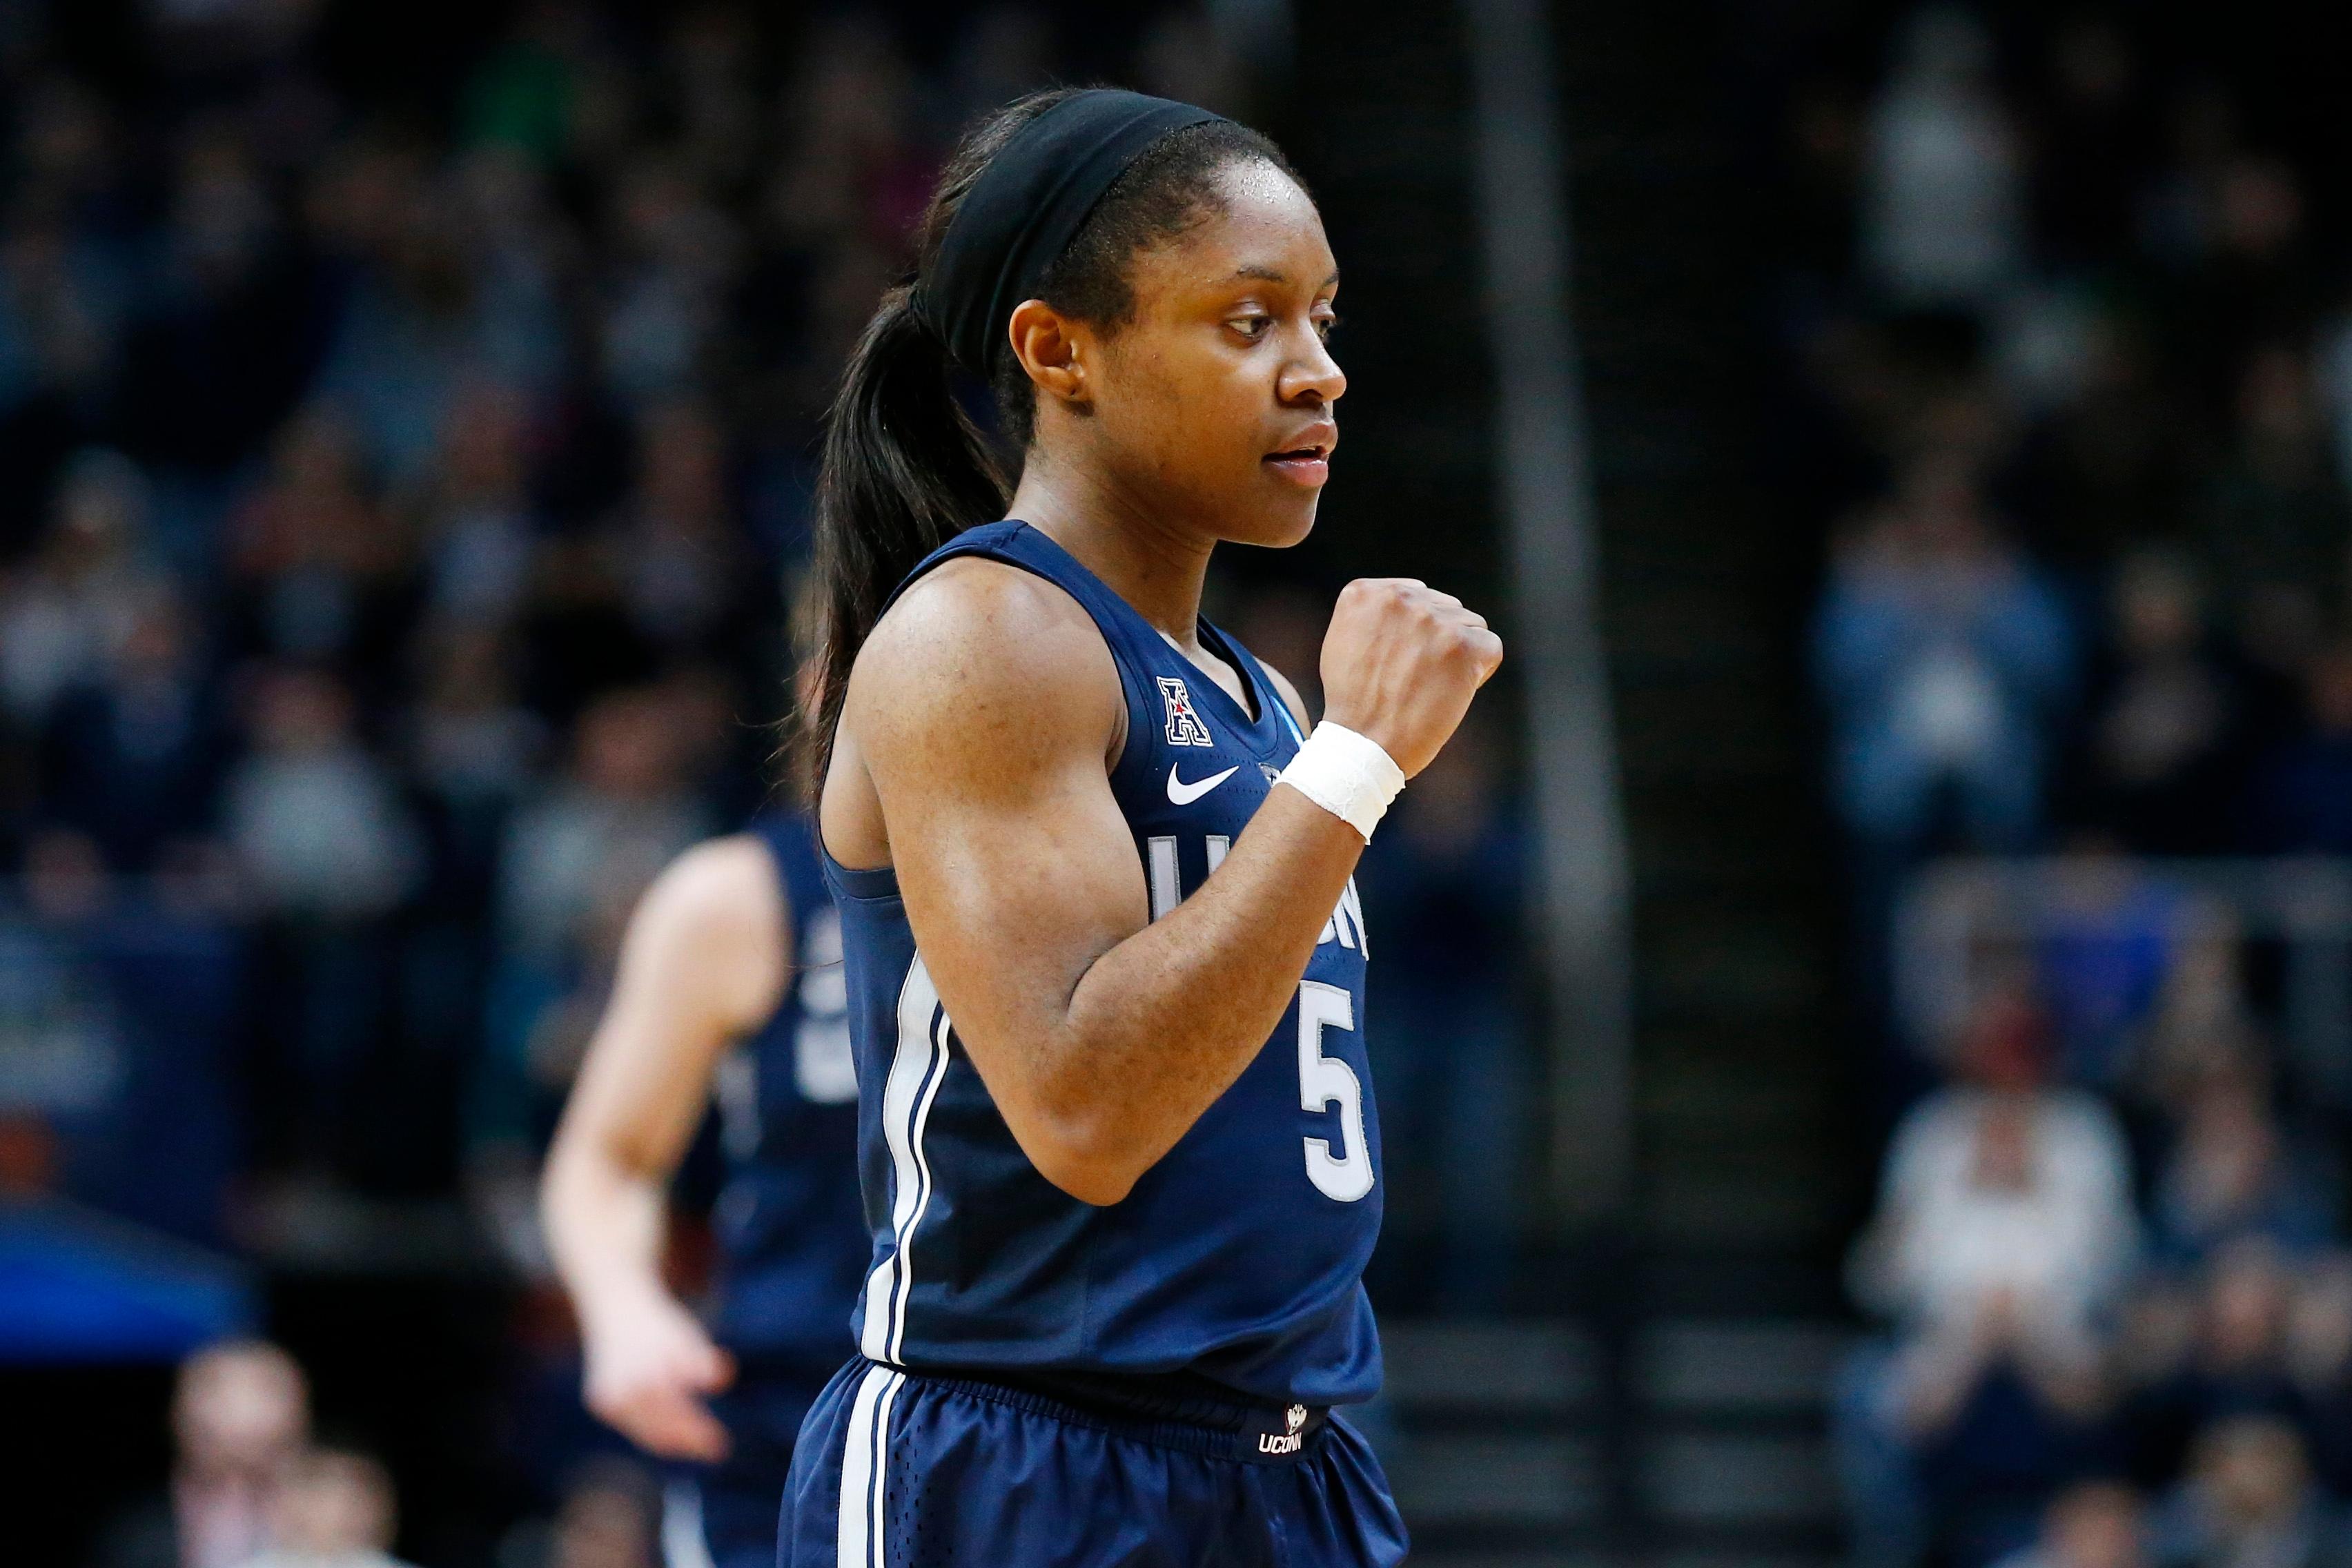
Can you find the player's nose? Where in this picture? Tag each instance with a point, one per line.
(1312, 375)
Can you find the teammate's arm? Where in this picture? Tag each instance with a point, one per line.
(981, 708)
(701, 963)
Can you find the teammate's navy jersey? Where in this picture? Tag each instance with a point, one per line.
(792, 1230)
(1239, 1256)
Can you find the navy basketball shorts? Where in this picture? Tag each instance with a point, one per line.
(896, 1469)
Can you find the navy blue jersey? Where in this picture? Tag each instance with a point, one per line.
(1239, 1256)
(790, 1226)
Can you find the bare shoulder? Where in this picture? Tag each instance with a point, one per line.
(980, 653)
(711, 927)
(718, 896)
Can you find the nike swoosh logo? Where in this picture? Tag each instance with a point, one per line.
(1182, 794)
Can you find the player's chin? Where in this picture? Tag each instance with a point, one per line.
(1278, 513)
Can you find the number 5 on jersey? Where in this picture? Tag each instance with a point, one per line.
(1346, 1176)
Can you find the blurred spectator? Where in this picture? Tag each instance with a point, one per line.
(228, 335)
(312, 815)
(64, 294)
(59, 617)
(319, 829)
(2093, 1525)
(2237, 266)
(2004, 1229)
(608, 1518)
(675, 257)
(684, 553)
(2232, 1173)
(2277, 530)
(2162, 732)
(317, 566)
(2249, 1498)
(419, 322)
(1941, 657)
(479, 531)
(334, 1509)
(240, 1421)
(2007, 1185)
(2201, 1025)
(124, 1014)
(135, 758)
(473, 747)
(572, 862)
(2210, 1349)
(2320, 1359)
(1942, 206)
(623, 811)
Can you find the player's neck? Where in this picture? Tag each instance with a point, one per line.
(1156, 568)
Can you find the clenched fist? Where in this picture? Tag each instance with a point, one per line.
(1401, 662)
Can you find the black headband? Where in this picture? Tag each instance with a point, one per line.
(1026, 207)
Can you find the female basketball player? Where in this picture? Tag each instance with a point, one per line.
(730, 973)
(1106, 967)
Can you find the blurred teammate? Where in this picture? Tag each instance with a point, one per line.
(728, 979)
(1123, 1201)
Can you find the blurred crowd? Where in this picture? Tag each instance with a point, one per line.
(403, 482)
(2067, 314)
(253, 1485)
(397, 509)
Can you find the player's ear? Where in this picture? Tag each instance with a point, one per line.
(1047, 345)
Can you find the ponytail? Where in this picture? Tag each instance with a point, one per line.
(904, 471)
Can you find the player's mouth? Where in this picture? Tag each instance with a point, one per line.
(1308, 462)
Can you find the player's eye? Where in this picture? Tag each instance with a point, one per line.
(1253, 327)
(1325, 325)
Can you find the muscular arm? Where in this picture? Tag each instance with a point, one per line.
(981, 710)
(701, 963)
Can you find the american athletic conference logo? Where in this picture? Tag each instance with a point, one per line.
(1184, 725)
(1295, 1420)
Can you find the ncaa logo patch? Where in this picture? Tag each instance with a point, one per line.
(1184, 725)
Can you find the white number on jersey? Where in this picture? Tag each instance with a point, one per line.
(1346, 1176)
(824, 1068)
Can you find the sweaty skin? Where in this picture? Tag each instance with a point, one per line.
(702, 964)
(985, 710)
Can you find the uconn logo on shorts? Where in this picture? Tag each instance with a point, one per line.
(1290, 1439)
(1185, 726)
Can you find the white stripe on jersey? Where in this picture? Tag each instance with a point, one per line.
(924, 1181)
(918, 1064)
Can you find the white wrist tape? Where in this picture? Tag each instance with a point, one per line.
(1346, 774)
